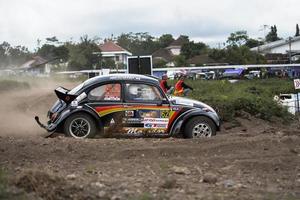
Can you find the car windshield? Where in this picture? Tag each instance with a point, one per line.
(76, 89)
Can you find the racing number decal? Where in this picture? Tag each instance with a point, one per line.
(165, 114)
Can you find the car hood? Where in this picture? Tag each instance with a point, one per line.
(189, 102)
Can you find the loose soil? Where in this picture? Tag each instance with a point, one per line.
(254, 160)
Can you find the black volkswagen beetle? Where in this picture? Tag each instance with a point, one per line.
(128, 104)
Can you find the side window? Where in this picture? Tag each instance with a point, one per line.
(108, 92)
(142, 92)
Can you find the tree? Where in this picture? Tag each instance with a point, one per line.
(46, 51)
(138, 43)
(253, 43)
(237, 38)
(180, 61)
(84, 55)
(165, 40)
(238, 55)
(243, 55)
(13, 56)
(4, 61)
(61, 53)
(218, 54)
(51, 53)
(272, 35)
(191, 49)
(185, 39)
(109, 63)
(297, 31)
(159, 63)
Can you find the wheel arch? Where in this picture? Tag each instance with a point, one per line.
(92, 114)
(184, 119)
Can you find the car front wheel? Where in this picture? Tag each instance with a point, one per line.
(199, 127)
(80, 125)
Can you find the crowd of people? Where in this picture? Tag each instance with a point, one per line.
(180, 88)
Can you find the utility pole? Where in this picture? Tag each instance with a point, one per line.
(290, 49)
(264, 28)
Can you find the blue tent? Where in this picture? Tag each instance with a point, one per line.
(233, 72)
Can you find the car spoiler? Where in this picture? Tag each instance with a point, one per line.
(62, 94)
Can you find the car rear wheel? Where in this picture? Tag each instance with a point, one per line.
(199, 127)
(80, 125)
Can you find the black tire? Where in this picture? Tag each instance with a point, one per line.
(80, 125)
(198, 127)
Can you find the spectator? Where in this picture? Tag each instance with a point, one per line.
(182, 89)
(164, 84)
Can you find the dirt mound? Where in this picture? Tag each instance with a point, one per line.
(50, 186)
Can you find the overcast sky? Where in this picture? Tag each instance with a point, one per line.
(211, 21)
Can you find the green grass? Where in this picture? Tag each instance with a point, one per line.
(3, 185)
(251, 96)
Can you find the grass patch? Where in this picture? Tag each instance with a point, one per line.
(3, 185)
(143, 196)
(251, 96)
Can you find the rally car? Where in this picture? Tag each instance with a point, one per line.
(128, 104)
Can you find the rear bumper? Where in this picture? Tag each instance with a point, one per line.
(50, 128)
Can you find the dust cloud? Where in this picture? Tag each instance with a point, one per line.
(19, 107)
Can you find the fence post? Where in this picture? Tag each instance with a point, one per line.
(297, 102)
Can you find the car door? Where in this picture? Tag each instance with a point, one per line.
(146, 109)
(106, 99)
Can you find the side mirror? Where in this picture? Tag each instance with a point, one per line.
(161, 102)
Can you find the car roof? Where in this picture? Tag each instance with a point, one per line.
(121, 77)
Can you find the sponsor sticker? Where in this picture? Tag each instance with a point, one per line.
(124, 78)
(297, 83)
(156, 123)
(129, 113)
(143, 131)
(112, 121)
(175, 108)
(148, 113)
(156, 120)
(112, 98)
(132, 120)
(148, 125)
(163, 126)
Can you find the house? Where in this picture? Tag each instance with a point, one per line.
(35, 66)
(175, 46)
(112, 51)
(167, 55)
(164, 56)
(280, 49)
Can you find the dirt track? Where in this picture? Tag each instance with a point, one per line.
(256, 161)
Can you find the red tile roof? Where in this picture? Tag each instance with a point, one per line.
(110, 46)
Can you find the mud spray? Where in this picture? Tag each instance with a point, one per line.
(18, 107)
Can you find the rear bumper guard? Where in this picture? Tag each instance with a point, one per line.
(51, 128)
(37, 119)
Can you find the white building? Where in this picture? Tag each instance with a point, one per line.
(280, 47)
(110, 50)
